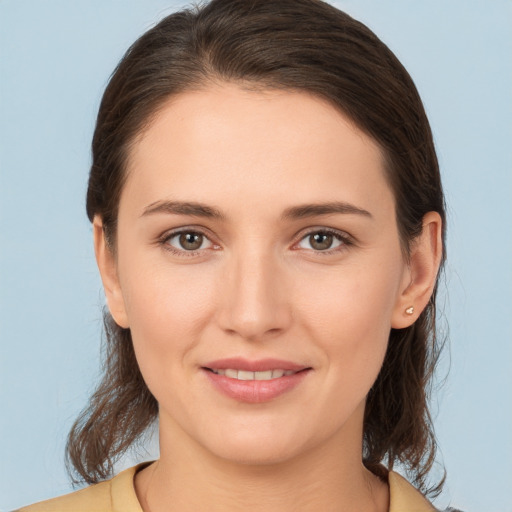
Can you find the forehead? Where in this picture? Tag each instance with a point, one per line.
(278, 146)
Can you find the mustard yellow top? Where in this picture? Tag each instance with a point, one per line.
(118, 495)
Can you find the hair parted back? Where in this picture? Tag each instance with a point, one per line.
(303, 45)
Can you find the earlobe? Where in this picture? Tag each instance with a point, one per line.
(425, 259)
(109, 276)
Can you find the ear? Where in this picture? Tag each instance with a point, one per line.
(421, 274)
(108, 270)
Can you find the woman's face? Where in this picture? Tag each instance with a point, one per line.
(257, 233)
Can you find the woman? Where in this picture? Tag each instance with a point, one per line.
(268, 223)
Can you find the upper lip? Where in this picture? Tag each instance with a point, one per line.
(260, 365)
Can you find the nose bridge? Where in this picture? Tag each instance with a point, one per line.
(254, 297)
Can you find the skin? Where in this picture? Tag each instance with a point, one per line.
(259, 287)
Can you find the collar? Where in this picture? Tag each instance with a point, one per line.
(404, 497)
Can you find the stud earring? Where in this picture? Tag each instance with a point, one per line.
(410, 310)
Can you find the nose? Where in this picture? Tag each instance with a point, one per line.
(255, 304)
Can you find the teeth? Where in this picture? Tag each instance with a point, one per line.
(245, 375)
(263, 375)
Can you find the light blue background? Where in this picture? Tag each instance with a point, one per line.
(55, 59)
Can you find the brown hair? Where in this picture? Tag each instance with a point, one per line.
(304, 45)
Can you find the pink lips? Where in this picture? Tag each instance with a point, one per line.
(254, 391)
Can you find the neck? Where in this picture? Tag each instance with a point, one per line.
(330, 477)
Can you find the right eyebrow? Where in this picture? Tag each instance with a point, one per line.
(183, 208)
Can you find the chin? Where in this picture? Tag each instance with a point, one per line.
(246, 448)
(257, 455)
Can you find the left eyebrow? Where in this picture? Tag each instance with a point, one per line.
(312, 210)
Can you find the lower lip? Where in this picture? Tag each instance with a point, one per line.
(255, 391)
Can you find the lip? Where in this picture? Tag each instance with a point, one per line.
(261, 365)
(254, 391)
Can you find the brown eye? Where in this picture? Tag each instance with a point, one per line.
(323, 241)
(188, 241)
(191, 241)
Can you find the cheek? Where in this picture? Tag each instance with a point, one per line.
(167, 311)
(353, 300)
(349, 314)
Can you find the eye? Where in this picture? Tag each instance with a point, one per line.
(323, 240)
(187, 241)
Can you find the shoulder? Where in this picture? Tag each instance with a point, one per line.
(404, 497)
(109, 496)
(96, 497)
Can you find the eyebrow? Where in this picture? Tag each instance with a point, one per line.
(313, 210)
(184, 208)
(292, 213)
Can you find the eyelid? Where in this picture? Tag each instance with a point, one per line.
(165, 237)
(346, 239)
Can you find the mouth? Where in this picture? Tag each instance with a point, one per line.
(233, 373)
(254, 381)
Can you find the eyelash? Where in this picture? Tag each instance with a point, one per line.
(344, 238)
(346, 241)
